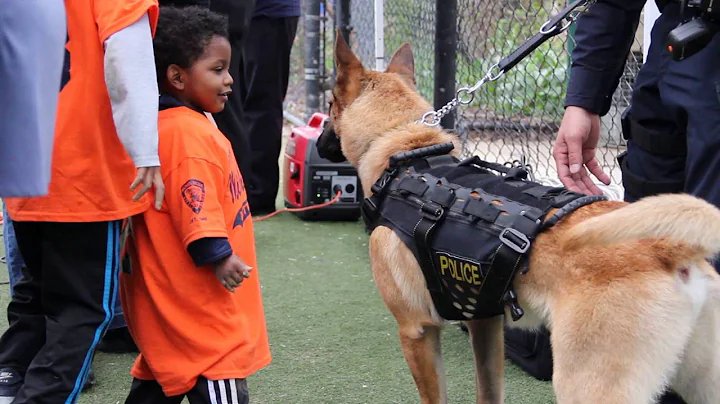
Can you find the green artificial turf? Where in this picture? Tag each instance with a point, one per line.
(332, 339)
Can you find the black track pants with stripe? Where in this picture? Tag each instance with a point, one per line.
(229, 391)
(62, 306)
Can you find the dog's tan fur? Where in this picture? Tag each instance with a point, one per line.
(626, 290)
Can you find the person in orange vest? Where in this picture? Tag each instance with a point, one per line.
(191, 292)
(105, 147)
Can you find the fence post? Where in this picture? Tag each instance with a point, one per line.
(445, 54)
(343, 18)
(312, 57)
(342, 21)
(379, 15)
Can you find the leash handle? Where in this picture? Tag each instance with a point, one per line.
(554, 26)
(522, 52)
(437, 149)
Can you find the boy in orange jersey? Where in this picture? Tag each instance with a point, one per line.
(199, 337)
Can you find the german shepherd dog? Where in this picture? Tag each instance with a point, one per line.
(627, 290)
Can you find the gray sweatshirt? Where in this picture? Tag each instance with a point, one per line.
(132, 84)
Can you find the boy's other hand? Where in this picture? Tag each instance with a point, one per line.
(149, 177)
(231, 271)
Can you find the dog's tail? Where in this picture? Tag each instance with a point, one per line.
(680, 218)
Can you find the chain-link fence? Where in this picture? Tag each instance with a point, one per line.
(517, 115)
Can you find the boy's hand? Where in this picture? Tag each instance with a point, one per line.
(231, 271)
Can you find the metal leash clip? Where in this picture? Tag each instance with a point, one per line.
(549, 29)
(523, 164)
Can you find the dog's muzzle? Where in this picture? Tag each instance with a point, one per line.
(328, 145)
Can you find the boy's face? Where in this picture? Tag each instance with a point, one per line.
(207, 82)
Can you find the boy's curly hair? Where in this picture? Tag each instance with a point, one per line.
(182, 34)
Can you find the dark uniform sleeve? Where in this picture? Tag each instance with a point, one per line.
(209, 250)
(604, 35)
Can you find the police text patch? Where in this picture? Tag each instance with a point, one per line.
(459, 269)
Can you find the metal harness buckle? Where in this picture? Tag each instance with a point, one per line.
(432, 211)
(383, 181)
(514, 239)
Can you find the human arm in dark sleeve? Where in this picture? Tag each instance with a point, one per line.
(604, 36)
(209, 250)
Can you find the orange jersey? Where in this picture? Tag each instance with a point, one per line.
(91, 171)
(183, 320)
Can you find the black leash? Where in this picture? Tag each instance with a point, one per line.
(554, 26)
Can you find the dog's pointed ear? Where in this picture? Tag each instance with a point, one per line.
(344, 56)
(349, 71)
(403, 63)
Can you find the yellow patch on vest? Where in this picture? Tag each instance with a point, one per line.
(460, 269)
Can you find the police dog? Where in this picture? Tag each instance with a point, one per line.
(626, 289)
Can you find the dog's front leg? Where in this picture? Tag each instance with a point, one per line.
(402, 287)
(421, 346)
(486, 337)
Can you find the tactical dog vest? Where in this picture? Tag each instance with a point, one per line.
(469, 223)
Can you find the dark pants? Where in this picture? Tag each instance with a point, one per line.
(230, 391)
(678, 104)
(229, 121)
(61, 307)
(15, 264)
(262, 84)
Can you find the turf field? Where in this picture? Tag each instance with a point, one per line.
(332, 339)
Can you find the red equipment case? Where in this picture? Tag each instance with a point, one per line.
(311, 180)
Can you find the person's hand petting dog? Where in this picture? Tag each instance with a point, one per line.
(231, 271)
(574, 151)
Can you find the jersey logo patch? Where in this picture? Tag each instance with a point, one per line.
(242, 215)
(193, 193)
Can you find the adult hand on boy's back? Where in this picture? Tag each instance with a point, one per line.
(149, 177)
(231, 271)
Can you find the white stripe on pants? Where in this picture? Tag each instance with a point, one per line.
(225, 398)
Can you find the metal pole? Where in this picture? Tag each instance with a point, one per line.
(380, 35)
(342, 20)
(343, 17)
(445, 53)
(312, 57)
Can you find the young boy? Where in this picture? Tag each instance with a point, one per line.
(198, 335)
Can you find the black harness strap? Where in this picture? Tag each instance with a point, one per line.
(505, 257)
(436, 150)
(569, 208)
(422, 233)
(482, 210)
(512, 254)
(421, 159)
